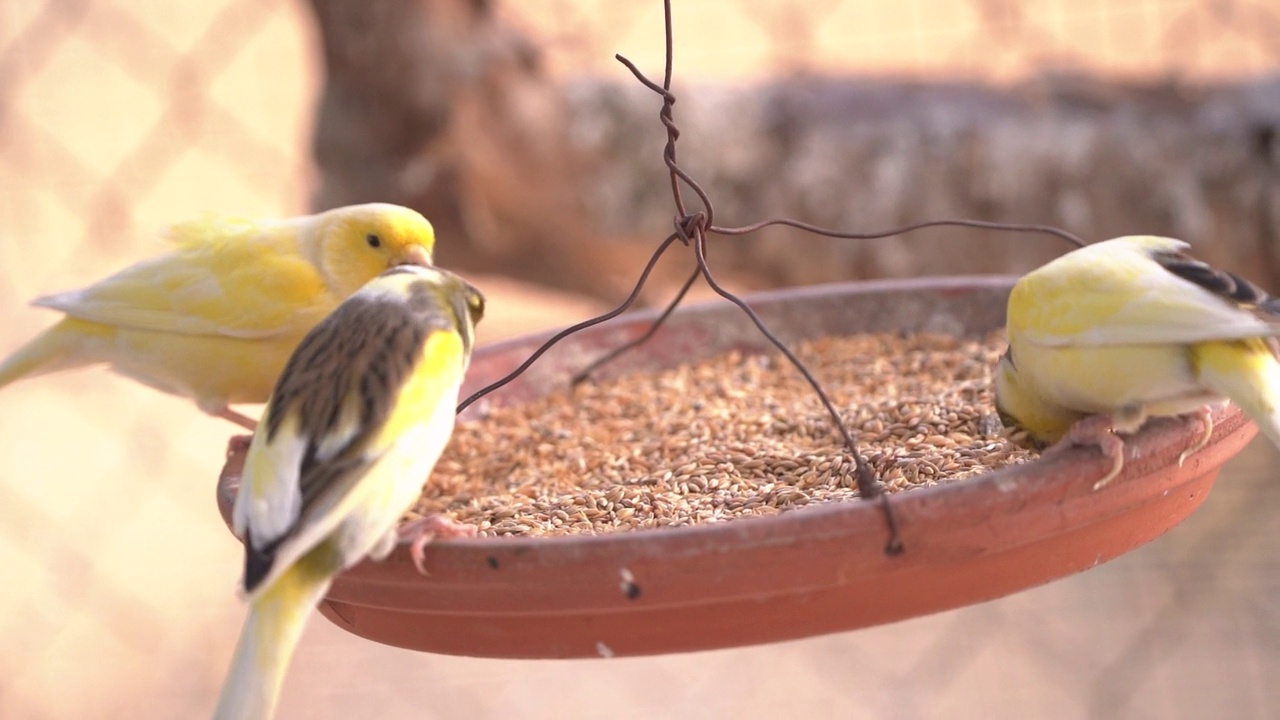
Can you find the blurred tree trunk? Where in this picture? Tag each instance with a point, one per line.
(1100, 158)
(437, 104)
(440, 106)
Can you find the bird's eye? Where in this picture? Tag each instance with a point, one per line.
(373, 240)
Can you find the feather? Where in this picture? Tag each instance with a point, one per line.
(1115, 293)
(270, 635)
(1247, 372)
(355, 424)
(1133, 328)
(217, 317)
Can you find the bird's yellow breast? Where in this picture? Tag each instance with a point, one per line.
(205, 367)
(1101, 379)
(439, 367)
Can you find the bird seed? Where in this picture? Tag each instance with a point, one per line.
(730, 437)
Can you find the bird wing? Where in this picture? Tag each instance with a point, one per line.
(354, 389)
(226, 278)
(1129, 298)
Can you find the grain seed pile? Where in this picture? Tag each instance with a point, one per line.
(728, 437)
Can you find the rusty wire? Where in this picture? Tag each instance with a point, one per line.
(691, 229)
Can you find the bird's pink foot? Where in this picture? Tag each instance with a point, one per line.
(1205, 417)
(424, 531)
(238, 444)
(1095, 430)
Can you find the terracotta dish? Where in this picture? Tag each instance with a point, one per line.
(805, 572)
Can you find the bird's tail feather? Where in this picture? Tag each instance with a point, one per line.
(65, 345)
(271, 632)
(1247, 372)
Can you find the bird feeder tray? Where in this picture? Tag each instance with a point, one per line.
(805, 572)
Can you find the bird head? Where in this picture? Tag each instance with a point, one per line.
(455, 303)
(1008, 390)
(1021, 409)
(357, 242)
(465, 304)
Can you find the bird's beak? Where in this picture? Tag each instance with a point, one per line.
(413, 255)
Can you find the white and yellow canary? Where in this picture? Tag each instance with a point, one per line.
(350, 434)
(1106, 336)
(216, 318)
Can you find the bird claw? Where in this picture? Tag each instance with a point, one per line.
(1095, 430)
(1205, 417)
(238, 444)
(424, 531)
(1098, 430)
(1113, 447)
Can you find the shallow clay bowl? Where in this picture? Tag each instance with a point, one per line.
(804, 572)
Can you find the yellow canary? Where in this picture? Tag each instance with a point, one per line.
(353, 428)
(216, 318)
(1106, 336)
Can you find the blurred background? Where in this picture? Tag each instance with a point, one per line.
(538, 158)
